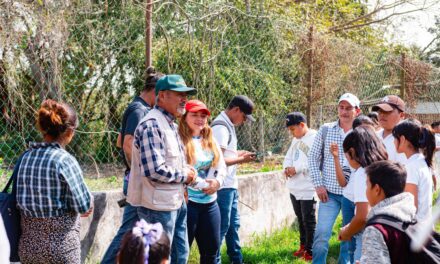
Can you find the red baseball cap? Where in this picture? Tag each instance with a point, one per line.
(196, 106)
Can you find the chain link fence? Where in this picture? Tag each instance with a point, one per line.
(91, 54)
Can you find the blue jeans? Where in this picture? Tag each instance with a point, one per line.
(204, 226)
(227, 200)
(347, 215)
(358, 251)
(327, 214)
(174, 223)
(129, 218)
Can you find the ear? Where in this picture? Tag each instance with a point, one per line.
(351, 153)
(358, 111)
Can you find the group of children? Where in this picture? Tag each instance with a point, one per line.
(374, 185)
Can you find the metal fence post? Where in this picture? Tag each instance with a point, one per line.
(310, 77)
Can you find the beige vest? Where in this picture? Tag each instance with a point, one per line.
(157, 195)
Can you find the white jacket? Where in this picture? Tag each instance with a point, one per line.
(300, 185)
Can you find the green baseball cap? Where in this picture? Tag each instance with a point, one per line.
(174, 82)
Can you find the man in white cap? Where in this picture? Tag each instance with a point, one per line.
(323, 174)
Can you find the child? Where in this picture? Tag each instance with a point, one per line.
(385, 185)
(146, 243)
(410, 138)
(299, 183)
(361, 147)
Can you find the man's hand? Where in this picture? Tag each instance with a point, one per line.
(191, 175)
(290, 171)
(86, 214)
(322, 194)
(213, 186)
(247, 156)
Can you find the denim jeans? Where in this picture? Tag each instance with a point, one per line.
(129, 218)
(348, 208)
(306, 217)
(358, 250)
(327, 214)
(174, 223)
(227, 200)
(204, 225)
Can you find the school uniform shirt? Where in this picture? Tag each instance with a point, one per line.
(360, 185)
(391, 148)
(418, 173)
(300, 185)
(221, 134)
(348, 190)
(437, 156)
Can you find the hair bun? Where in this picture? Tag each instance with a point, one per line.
(151, 71)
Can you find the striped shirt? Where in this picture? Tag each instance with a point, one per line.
(149, 139)
(50, 183)
(327, 178)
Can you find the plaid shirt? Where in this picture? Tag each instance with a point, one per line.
(149, 139)
(50, 182)
(327, 177)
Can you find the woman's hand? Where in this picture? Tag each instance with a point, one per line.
(213, 186)
(334, 150)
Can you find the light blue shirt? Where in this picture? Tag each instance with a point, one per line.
(203, 163)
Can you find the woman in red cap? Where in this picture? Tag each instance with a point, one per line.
(204, 154)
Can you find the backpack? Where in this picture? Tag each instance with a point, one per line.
(323, 137)
(429, 253)
(223, 123)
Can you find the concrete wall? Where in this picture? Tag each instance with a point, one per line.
(264, 206)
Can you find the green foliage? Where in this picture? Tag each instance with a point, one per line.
(277, 247)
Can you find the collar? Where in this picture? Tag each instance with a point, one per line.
(170, 118)
(37, 145)
(226, 118)
(416, 156)
(143, 101)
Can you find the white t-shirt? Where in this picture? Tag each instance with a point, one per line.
(418, 173)
(221, 134)
(348, 191)
(360, 186)
(391, 148)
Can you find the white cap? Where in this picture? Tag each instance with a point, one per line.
(351, 99)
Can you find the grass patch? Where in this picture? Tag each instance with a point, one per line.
(102, 184)
(275, 248)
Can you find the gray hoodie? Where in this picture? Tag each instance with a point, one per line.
(374, 248)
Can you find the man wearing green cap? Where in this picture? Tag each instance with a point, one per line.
(158, 165)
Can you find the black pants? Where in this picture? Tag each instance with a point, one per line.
(305, 213)
(204, 225)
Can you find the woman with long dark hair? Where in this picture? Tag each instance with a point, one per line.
(362, 147)
(51, 192)
(418, 145)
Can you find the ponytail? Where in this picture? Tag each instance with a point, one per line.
(427, 144)
(421, 138)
